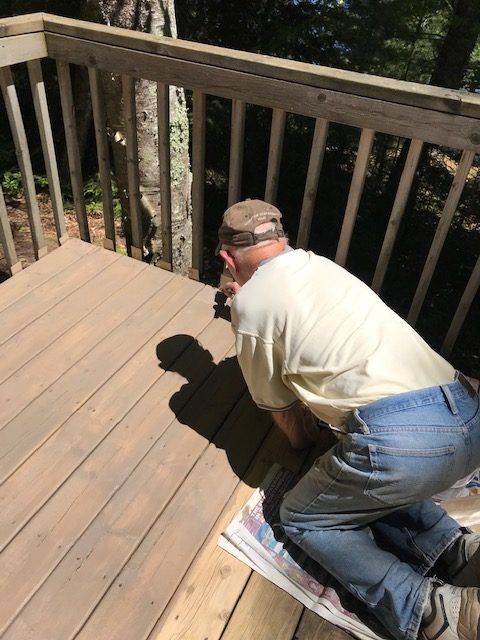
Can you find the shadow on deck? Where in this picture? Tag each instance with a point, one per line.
(128, 442)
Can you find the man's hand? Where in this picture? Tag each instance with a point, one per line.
(230, 289)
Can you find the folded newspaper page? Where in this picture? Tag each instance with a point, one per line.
(255, 538)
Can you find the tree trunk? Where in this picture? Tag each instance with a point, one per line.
(156, 17)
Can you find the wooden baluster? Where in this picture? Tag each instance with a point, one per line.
(398, 210)
(45, 129)
(236, 152)
(441, 233)
(275, 154)
(6, 239)
(129, 104)
(356, 189)
(163, 111)
(462, 310)
(103, 155)
(198, 185)
(317, 154)
(23, 156)
(73, 151)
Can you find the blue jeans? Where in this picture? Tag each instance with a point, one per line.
(364, 512)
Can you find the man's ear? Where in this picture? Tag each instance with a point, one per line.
(229, 259)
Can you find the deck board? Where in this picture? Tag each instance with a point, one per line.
(126, 447)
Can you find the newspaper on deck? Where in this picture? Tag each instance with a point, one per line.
(254, 537)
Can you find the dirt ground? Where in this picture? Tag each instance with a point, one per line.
(17, 214)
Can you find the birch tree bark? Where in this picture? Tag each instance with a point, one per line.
(156, 17)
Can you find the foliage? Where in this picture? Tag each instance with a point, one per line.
(12, 184)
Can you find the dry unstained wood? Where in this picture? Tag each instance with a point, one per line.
(345, 108)
(379, 88)
(236, 152)
(354, 195)
(198, 184)
(21, 24)
(448, 212)
(73, 151)
(22, 48)
(6, 239)
(23, 156)
(462, 310)
(164, 160)
(275, 155)
(103, 155)
(312, 627)
(317, 154)
(398, 210)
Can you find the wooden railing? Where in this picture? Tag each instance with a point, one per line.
(420, 113)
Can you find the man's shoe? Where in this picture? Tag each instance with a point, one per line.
(462, 560)
(452, 613)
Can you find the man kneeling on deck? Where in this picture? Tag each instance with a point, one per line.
(310, 334)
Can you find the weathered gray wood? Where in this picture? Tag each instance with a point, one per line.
(103, 155)
(398, 210)
(23, 156)
(387, 89)
(163, 111)
(128, 92)
(275, 154)
(236, 152)
(354, 195)
(198, 184)
(16, 49)
(345, 108)
(6, 239)
(46, 138)
(317, 154)
(462, 310)
(73, 151)
(21, 24)
(441, 233)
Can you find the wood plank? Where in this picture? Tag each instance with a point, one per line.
(443, 227)
(103, 155)
(462, 310)
(275, 155)
(27, 562)
(209, 591)
(39, 272)
(21, 24)
(47, 295)
(70, 382)
(236, 152)
(380, 88)
(264, 612)
(73, 151)
(14, 265)
(163, 114)
(198, 183)
(398, 209)
(317, 154)
(22, 48)
(388, 117)
(23, 157)
(130, 114)
(312, 627)
(141, 519)
(46, 138)
(50, 326)
(354, 195)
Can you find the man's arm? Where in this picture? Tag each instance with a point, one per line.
(298, 424)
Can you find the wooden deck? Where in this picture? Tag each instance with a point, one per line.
(127, 443)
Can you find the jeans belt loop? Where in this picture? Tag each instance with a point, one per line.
(465, 384)
(449, 398)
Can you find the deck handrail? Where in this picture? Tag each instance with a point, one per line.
(420, 113)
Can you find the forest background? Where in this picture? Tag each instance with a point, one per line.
(426, 41)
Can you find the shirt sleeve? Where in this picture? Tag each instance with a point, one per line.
(262, 367)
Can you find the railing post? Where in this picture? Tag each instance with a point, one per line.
(236, 152)
(164, 161)
(198, 184)
(275, 154)
(6, 239)
(23, 156)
